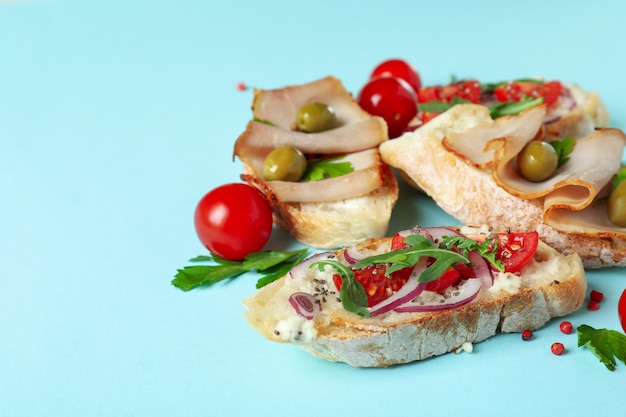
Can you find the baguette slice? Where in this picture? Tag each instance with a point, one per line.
(552, 285)
(331, 212)
(470, 193)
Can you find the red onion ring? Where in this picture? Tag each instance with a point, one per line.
(352, 255)
(305, 305)
(299, 271)
(465, 294)
(408, 292)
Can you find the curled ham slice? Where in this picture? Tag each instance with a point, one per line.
(353, 137)
(366, 177)
(575, 186)
(280, 106)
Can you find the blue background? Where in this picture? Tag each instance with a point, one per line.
(117, 116)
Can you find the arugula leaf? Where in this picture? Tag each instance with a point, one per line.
(487, 249)
(510, 108)
(326, 168)
(605, 344)
(408, 257)
(352, 293)
(563, 148)
(271, 264)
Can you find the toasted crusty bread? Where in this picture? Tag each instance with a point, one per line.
(552, 285)
(332, 212)
(470, 194)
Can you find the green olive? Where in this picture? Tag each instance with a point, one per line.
(537, 161)
(616, 207)
(284, 163)
(315, 117)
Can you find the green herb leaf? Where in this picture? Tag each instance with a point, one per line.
(488, 249)
(271, 264)
(605, 344)
(618, 178)
(408, 257)
(490, 87)
(326, 168)
(563, 148)
(436, 106)
(266, 122)
(511, 108)
(352, 294)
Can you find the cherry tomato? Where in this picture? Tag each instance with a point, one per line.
(621, 310)
(391, 98)
(233, 220)
(516, 250)
(400, 69)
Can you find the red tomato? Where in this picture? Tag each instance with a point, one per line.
(467, 90)
(399, 69)
(233, 220)
(447, 279)
(621, 310)
(519, 90)
(391, 98)
(427, 94)
(378, 287)
(516, 250)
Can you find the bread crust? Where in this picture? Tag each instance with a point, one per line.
(553, 285)
(470, 195)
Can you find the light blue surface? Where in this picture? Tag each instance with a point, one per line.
(117, 116)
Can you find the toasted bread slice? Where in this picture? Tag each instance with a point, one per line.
(551, 285)
(474, 193)
(331, 212)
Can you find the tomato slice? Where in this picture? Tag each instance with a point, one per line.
(519, 90)
(516, 250)
(449, 278)
(377, 285)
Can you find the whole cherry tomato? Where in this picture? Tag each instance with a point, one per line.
(621, 310)
(233, 220)
(391, 98)
(400, 69)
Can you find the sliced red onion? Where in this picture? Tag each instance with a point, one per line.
(408, 292)
(299, 271)
(481, 268)
(465, 294)
(352, 255)
(305, 304)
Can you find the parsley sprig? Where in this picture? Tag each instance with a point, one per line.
(563, 148)
(326, 168)
(607, 345)
(270, 264)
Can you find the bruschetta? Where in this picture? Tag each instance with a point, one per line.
(421, 293)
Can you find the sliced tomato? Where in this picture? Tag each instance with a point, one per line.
(516, 250)
(520, 90)
(377, 285)
(551, 92)
(427, 116)
(449, 278)
(426, 94)
(466, 90)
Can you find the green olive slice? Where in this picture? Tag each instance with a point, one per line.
(616, 207)
(537, 161)
(315, 118)
(285, 163)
